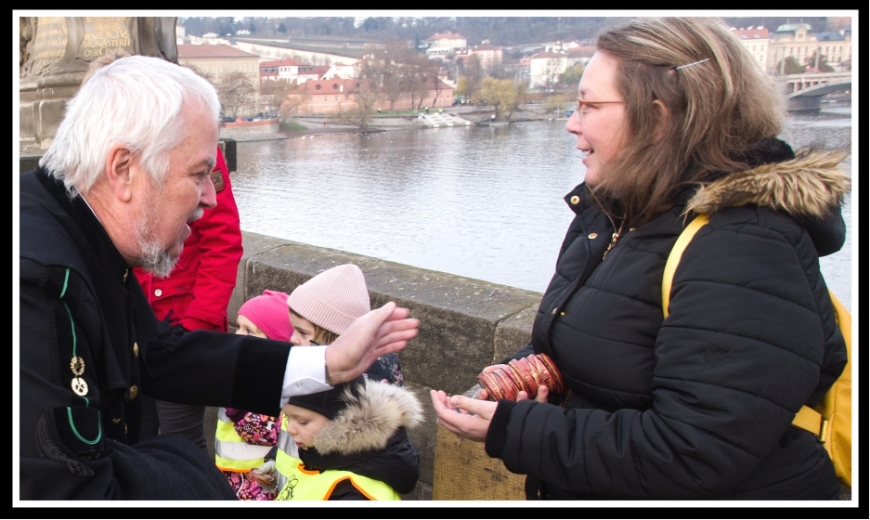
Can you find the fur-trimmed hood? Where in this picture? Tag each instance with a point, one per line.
(369, 420)
(369, 436)
(810, 186)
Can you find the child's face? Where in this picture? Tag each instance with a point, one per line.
(303, 331)
(248, 328)
(302, 424)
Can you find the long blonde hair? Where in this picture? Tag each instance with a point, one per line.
(715, 110)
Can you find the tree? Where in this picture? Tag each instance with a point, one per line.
(416, 71)
(790, 66)
(236, 92)
(282, 28)
(390, 68)
(519, 97)
(462, 88)
(291, 103)
(194, 26)
(498, 71)
(283, 97)
(372, 24)
(819, 62)
(473, 72)
(366, 97)
(571, 76)
(392, 82)
(430, 73)
(226, 30)
(505, 95)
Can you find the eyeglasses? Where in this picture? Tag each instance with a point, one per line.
(583, 105)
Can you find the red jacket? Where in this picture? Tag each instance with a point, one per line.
(198, 289)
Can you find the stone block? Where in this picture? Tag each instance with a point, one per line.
(458, 316)
(423, 436)
(514, 333)
(49, 114)
(253, 245)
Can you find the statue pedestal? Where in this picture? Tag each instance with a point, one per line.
(42, 105)
(55, 53)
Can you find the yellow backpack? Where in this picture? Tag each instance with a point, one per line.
(831, 419)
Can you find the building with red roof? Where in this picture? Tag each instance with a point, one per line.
(218, 61)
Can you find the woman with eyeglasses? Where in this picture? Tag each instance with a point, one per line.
(675, 119)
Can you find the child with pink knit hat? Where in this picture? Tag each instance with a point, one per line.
(322, 308)
(244, 439)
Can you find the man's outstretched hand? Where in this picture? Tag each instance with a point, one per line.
(372, 335)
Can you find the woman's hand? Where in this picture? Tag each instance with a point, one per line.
(483, 394)
(541, 396)
(467, 417)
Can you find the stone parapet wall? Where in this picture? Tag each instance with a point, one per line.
(465, 324)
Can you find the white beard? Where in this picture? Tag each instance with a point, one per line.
(154, 258)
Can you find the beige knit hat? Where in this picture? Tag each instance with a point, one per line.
(333, 299)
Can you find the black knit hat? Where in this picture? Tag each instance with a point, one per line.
(328, 403)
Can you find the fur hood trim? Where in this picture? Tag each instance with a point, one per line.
(809, 185)
(369, 420)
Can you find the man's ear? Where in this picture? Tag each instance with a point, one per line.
(119, 174)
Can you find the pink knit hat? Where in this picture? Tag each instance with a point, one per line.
(269, 313)
(333, 299)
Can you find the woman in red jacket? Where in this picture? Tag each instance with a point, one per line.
(197, 292)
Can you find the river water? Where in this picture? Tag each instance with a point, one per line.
(480, 202)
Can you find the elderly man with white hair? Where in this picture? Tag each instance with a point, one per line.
(128, 170)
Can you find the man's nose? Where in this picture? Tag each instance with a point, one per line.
(208, 197)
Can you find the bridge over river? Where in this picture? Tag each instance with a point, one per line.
(804, 92)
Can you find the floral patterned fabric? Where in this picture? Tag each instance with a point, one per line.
(259, 430)
(254, 428)
(246, 488)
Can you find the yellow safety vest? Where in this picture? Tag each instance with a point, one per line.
(231, 452)
(304, 484)
(287, 453)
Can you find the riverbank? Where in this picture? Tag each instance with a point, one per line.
(300, 134)
(323, 125)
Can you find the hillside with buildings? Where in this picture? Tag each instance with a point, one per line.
(338, 66)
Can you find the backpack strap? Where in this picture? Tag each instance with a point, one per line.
(813, 422)
(675, 256)
(806, 418)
